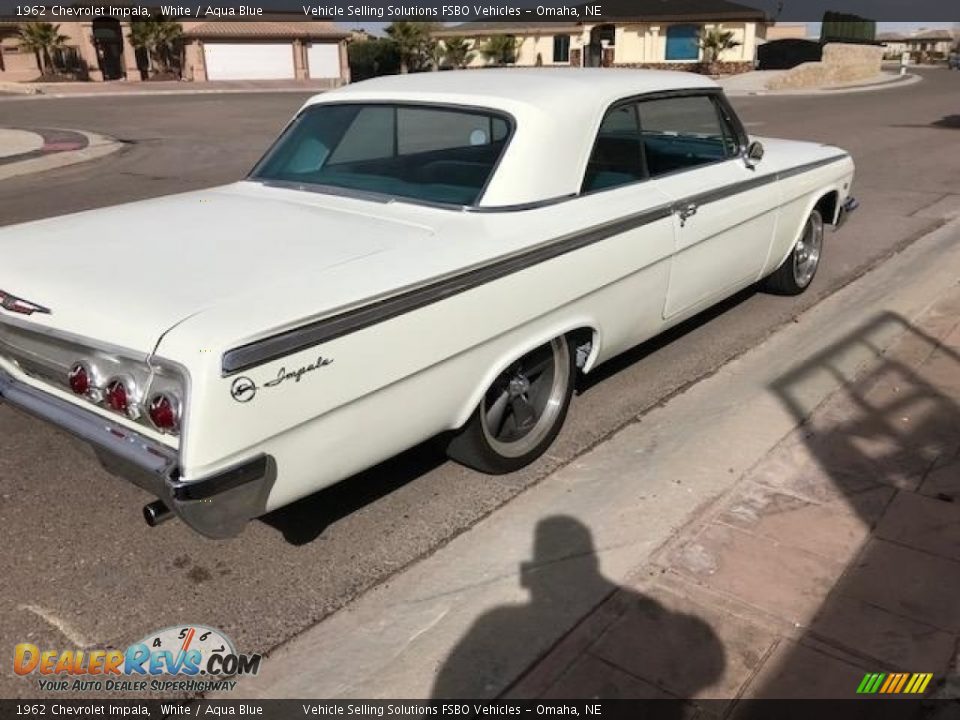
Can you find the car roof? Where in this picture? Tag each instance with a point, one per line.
(543, 87)
(556, 113)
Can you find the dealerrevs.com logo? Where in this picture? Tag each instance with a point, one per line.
(187, 658)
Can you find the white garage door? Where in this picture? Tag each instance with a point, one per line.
(248, 61)
(324, 60)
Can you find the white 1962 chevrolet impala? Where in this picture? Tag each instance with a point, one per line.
(414, 255)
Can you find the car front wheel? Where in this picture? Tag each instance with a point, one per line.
(800, 267)
(521, 412)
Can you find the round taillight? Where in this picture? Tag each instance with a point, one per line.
(164, 412)
(116, 396)
(79, 379)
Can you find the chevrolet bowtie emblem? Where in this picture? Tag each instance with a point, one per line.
(19, 305)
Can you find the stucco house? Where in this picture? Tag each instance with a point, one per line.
(274, 47)
(645, 33)
(937, 43)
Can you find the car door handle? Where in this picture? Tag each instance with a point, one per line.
(685, 212)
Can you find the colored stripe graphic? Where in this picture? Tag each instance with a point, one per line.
(871, 683)
(894, 683)
(903, 681)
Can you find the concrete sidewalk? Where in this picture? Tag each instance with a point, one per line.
(14, 143)
(733, 542)
(120, 88)
(30, 151)
(837, 556)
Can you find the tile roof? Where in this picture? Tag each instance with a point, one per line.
(920, 35)
(667, 10)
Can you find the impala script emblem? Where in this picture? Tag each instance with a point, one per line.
(244, 389)
(298, 373)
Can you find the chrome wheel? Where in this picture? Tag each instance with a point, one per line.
(523, 403)
(806, 254)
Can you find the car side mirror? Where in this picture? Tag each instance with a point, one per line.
(754, 154)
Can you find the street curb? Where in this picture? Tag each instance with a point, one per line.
(898, 82)
(98, 146)
(154, 93)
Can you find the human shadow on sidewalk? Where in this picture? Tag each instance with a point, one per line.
(567, 591)
(888, 447)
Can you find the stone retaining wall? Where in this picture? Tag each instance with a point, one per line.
(842, 63)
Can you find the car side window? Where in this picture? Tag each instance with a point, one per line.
(617, 157)
(684, 132)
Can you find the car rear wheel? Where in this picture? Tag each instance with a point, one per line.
(800, 267)
(521, 412)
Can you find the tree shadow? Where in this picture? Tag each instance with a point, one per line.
(888, 447)
(678, 654)
(948, 122)
(951, 122)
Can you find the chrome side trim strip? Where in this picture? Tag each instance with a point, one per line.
(348, 320)
(339, 324)
(807, 167)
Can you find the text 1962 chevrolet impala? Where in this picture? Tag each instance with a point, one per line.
(414, 255)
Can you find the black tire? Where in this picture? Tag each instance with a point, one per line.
(502, 435)
(798, 270)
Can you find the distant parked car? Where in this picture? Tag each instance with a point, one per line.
(416, 255)
(953, 61)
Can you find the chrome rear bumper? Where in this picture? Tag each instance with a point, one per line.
(218, 506)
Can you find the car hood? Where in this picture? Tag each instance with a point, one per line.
(127, 274)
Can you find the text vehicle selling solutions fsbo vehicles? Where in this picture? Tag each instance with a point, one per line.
(415, 255)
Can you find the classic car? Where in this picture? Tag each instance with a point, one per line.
(429, 255)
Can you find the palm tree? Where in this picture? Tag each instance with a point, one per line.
(412, 40)
(500, 49)
(42, 38)
(714, 41)
(457, 52)
(159, 38)
(435, 54)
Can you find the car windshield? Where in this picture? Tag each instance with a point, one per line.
(426, 153)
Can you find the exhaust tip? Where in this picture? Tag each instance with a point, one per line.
(156, 513)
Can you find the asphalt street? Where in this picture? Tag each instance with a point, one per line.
(80, 567)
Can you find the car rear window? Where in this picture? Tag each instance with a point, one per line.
(427, 153)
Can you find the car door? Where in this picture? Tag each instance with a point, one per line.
(725, 213)
(617, 196)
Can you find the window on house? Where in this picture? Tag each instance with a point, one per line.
(67, 58)
(684, 132)
(561, 48)
(683, 42)
(617, 157)
(604, 32)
